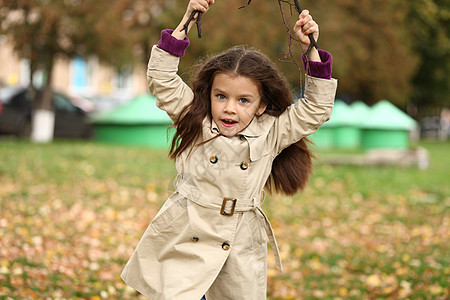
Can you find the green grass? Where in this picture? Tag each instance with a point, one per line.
(71, 213)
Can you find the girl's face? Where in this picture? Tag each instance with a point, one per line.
(235, 100)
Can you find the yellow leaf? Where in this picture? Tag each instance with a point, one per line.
(4, 270)
(373, 281)
(298, 252)
(343, 291)
(388, 290)
(406, 257)
(401, 271)
(436, 289)
(381, 248)
(4, 263)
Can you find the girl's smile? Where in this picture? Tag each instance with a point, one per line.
(228, 122)
(235, 100)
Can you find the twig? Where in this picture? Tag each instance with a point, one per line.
(198, 22)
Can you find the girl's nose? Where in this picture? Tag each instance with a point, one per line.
(230, 106)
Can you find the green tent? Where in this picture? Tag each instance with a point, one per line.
(347, 133)
(387, 127)
(342, 131)
(323, 137)
(138, 122)
(360, 111)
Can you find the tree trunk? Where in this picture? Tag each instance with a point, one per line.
(43, 120)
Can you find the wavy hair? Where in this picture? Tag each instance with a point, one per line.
(292, 167)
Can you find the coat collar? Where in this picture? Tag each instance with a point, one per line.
(254, 134)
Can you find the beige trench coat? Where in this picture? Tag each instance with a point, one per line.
(191, 248)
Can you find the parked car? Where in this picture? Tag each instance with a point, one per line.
(70, 120)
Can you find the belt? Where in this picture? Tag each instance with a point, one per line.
(227, 207)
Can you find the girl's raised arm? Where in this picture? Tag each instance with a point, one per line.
(171, 92)
(199, 5)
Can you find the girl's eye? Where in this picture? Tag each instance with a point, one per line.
(221, 96)
(244, 101)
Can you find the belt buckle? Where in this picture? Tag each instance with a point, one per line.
(233, 206)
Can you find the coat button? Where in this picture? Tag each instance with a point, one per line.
(226, 246)
(242, 137)
(213, 159)
(244, 165)
(194, 239)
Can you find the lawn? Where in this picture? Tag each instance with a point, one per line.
(71, 214)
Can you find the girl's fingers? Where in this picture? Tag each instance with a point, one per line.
(304, 20)
(304, 13)
(203, 5)
(306, 28)
(305, 25)
(310, 27)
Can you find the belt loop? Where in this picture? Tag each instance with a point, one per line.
(257, 202)
(175, 181)
(263, 192)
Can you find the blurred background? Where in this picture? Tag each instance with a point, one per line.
(83, 148)
(95, 52)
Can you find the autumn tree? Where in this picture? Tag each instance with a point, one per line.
(429, 26)
(372, 49)
(370, 40)
(143, 26)
(42, 30)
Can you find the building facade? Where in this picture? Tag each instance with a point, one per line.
(88, 78)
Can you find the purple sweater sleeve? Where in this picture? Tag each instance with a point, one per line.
(171, 44)
(320, 69)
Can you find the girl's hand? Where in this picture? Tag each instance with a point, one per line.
(200, 5)
(303, 27)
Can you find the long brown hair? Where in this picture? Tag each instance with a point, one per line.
(292, 167)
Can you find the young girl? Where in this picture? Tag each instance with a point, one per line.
(237, 130)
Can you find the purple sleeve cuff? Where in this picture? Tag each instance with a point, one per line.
(320, 69)
(171, 44)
